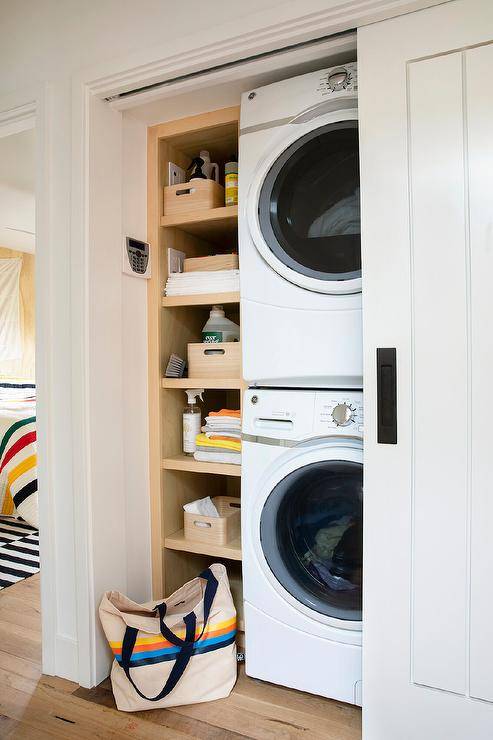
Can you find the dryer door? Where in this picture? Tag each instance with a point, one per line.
(309, 210)
(311, 533)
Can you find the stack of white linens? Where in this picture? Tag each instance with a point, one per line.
(203, 281)
(220, 440)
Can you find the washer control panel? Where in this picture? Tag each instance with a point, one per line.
(339, 411)
(302, 414)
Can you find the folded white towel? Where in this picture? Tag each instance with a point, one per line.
(223, 421)
(188, 283)
(221, 433)
(219, 457)
(202, 506)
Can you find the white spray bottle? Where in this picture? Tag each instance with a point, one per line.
(192, 420)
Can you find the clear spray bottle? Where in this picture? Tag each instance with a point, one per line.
(192, 420)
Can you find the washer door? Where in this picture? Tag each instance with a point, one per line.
(311, 534)
(309, 209)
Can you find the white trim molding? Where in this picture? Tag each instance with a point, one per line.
(19, 112)
(19, 118)
(266, 31)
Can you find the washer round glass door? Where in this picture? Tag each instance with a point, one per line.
(311, 534)
(309, 207)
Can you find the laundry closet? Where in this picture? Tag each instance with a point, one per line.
(362, 367)
(227, 370)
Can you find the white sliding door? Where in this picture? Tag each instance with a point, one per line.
(426, 128)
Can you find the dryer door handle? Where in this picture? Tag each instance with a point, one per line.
(387, 396)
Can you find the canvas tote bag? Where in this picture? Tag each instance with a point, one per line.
(179, 651)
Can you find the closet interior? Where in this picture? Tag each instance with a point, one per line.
(173, 323)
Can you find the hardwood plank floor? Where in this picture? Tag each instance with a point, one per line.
(36, 707)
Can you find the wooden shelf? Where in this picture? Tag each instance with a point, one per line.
(203, 299)
(206, 217)
(189, 464)
(206, 383)
(218, 225)
(177, 541)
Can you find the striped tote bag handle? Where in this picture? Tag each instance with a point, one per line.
(186, 646)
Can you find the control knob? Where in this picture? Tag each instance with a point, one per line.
(343, 414)
(338, 79)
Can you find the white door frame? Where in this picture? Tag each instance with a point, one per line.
(19, 112)
(261, 32)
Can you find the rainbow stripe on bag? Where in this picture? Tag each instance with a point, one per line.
(155, 649)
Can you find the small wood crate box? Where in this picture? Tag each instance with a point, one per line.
(196, 195)
(215, 530)
(214, 360)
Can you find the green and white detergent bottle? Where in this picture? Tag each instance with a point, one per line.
(220, 329)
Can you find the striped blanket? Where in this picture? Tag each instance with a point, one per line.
(18, 460)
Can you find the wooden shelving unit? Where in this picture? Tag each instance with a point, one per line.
(216, 224)
(177, 541)
(188, 463)
(203, 299)
(175, 321)
(201, 222)
(206, 383)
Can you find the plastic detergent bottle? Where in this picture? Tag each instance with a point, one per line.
(220, 329)
(231, 182)
(192, 420)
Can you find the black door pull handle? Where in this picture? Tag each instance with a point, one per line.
(386, 396)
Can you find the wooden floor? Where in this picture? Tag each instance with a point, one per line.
(37, 706)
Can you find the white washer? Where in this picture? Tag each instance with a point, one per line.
(299, 230)
(302, 501)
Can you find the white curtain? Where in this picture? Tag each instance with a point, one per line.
(10, 325)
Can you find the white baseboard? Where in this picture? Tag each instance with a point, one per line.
(66, 658)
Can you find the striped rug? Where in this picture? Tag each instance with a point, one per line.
(19, 551)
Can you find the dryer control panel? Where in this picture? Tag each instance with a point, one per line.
(287, 99)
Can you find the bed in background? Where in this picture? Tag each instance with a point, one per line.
(18, 452)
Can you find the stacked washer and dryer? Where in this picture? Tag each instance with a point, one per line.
(302, 471)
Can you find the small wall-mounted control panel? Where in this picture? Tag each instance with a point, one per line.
(136, 258)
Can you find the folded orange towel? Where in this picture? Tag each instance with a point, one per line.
(225, 412)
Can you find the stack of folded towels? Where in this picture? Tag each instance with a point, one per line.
(220, 440)
(203, 281)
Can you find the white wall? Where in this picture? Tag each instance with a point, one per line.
(134, 356)
(17, 186)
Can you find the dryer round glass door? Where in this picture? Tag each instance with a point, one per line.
(311, 532)
(309, 206)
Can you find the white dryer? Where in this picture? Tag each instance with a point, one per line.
(302, 503)
(299, 231)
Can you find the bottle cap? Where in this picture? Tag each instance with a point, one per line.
(217, 311)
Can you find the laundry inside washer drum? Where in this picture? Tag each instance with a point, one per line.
(311, 535)
(335, 564)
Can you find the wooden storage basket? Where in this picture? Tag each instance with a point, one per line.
(215, 530)
(214, 360)
(212, 263)
(196, 195)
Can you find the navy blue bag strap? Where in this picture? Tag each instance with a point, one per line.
(209, 596)
(186, 646)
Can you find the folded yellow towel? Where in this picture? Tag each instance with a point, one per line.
(202, 440)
